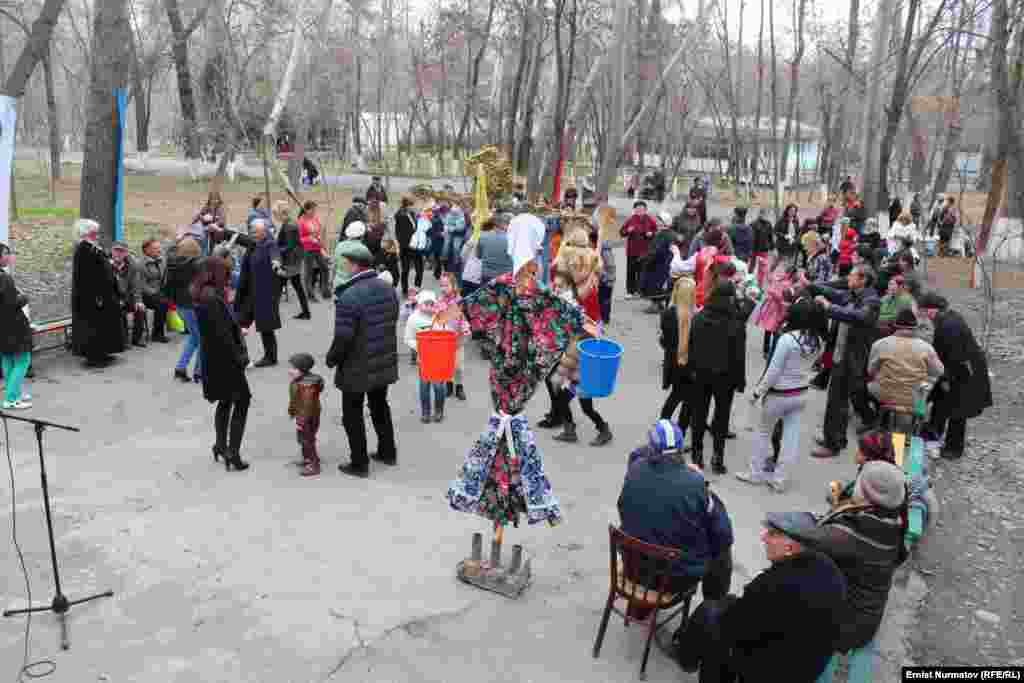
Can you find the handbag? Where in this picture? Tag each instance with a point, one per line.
(174, 321)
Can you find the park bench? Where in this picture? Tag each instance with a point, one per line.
(45, 328)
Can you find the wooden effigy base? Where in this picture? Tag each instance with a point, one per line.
(509, 580)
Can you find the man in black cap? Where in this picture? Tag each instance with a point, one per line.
(365, 353)
(129, 288)
(966, 389)
(786, 622)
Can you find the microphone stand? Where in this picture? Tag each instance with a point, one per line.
(60, 604)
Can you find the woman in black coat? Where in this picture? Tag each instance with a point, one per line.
(966, 389)
(292, 255)
(676, 373)
(96, 330)
(226, 358)
(717, 356)
(15, 335)
(259, 292)
(787, 231)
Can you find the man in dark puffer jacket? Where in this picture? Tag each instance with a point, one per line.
(365, 353)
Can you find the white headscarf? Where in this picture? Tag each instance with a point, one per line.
(525, 238)
(86, 226)
(355, 230)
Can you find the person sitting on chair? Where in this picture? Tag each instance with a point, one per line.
(666, 502)
(901, 362)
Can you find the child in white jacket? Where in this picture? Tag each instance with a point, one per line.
(422, 319)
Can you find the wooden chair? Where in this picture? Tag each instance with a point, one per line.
(629, 558)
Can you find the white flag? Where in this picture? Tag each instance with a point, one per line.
(8, 119)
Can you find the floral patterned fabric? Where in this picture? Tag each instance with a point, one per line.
(499, 485)
(525, 335)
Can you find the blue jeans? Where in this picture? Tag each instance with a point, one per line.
(15, 365)
(440, 392)
(192, 343)
(862, 664)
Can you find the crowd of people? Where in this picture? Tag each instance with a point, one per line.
(839, 307)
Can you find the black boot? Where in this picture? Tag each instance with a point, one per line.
(549, 421)
(697, 455)
(233, 461)
(568, 434)
(450, 387)
(718, 459)
(460, 393)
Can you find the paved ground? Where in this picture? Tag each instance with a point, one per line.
(264, 576)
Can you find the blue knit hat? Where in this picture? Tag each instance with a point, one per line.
(665, 437)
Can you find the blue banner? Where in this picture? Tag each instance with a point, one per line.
(120, 116)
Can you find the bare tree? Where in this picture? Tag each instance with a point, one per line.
(180, 34)
(111, 69)
(1006, 98)
(36, 48)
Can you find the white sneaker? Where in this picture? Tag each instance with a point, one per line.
(17, 405)
(629, 297)
(749, 478)
(776, 485)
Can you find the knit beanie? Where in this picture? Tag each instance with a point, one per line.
(665, 437)
(881, 483)
(302, 361)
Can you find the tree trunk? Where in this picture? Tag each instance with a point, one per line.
(755, 156)
(517, 88)
(840, 158)
(776, 153)
(894, 112)
(1006, 102)
(525, 142)
(874, 185)
(51, 116)
(111, 69)
(613, 142)
(186, 95)
(35, 50)
(474, 78)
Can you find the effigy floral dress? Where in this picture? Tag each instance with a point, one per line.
(526, 335)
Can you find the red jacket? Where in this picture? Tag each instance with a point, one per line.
(309, 234)
(638, 231)
(847, 246)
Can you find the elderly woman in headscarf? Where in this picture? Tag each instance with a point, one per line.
(96, 331)
(259, 291)
(526, 328)
(675, 341)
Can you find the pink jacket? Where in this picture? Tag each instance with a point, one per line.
(773, 308)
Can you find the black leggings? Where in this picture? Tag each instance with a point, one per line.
(586, 405)
(411, 259)
(706, 387)
(296, 281)
(230, 416)
(679, 397)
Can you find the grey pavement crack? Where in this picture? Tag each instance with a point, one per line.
(415, 628)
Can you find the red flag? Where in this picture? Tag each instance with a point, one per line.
(680, 105)
(345, 56)
(919, 143)
(648, 71)
(456, 41)
(760, 71)
(792, 71)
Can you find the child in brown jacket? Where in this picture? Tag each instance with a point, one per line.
(304, 405)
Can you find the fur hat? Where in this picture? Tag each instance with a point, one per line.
(355, 251)
(881, 483)
(302, 361)
(355, 230)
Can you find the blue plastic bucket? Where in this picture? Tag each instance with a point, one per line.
(599, 367)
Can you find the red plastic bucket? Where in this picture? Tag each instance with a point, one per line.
(436, 352)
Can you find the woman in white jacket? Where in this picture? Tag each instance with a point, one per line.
(782, 391)
(903, 229)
